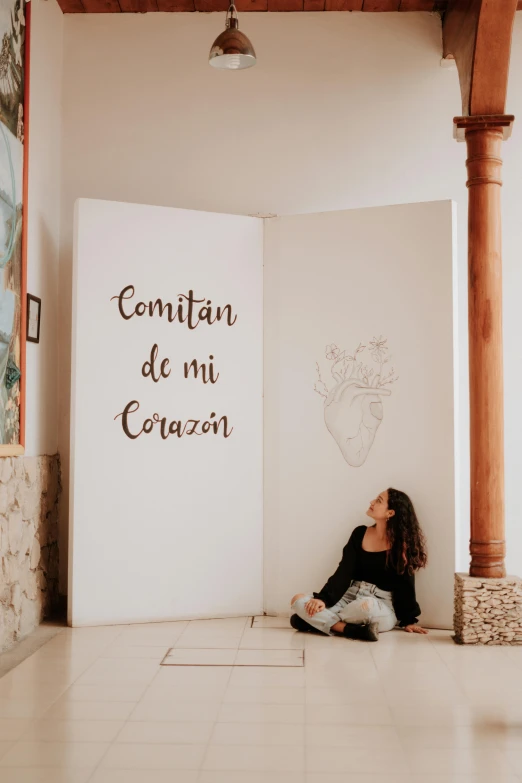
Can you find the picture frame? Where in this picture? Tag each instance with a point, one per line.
(34, 312)
(14, 137)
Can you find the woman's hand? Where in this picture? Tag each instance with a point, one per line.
(414, 629)
(315, 605)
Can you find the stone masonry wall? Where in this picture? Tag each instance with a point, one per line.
(29, 497)
(488, 611)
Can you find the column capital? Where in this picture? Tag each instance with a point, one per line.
(502, 122)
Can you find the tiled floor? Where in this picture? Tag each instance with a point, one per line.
(93, 705)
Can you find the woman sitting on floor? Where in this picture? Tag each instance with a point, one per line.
(373, 588)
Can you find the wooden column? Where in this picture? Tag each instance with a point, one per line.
(477, 34)
(484, 136)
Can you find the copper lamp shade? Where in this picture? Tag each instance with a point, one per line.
(232, 50)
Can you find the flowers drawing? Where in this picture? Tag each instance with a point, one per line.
(353, 407)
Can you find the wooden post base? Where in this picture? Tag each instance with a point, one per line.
(487, 559)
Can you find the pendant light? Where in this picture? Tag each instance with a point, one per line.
(232, 50)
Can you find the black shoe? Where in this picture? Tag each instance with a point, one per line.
(298, 624)
(366, 633)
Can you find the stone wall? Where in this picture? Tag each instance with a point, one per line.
(29, 497)
(488, 611)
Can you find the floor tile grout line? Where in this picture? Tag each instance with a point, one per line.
(41, 715)
(216, 720)
(305, 722)
(113, 741)
(109, 745)
(303, 757)
(381, 684)
(400, 734)
(11, 744)
(453, 677)
(40, 634)
(127, 720)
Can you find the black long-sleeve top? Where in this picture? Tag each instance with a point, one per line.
(361, 566)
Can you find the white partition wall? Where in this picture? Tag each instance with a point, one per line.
(358, 306)
(167, 426)
(166, 500)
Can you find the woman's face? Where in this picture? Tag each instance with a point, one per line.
(378, 508)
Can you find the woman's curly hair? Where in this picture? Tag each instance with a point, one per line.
(407, 550)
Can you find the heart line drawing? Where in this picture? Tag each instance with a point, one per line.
(353, 408)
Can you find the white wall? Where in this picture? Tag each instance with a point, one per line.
(44, 223)
(180, 518)
(344, 110)
(346, 278)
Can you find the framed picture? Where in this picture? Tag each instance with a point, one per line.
(34, 308)
(14, 111)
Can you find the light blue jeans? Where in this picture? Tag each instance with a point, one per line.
(361, 604)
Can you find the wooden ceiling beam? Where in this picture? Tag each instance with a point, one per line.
(421, 5)
(172, 5)
(138, 6)
(101, 6)
(343, 5)
(381, 5)
(477, 34)
(251, 5)
(72, 6)
(209, 6)
(285, 5)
